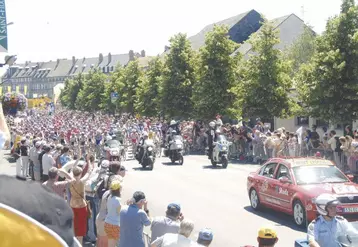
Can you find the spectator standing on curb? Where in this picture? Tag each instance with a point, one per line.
(132, 220)
(180, 239)
(167, 224)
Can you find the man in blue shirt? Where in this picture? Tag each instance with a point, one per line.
(132, 220)
(324, 231)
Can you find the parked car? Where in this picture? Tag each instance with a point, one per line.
(290, 185)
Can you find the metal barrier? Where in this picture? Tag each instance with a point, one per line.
(147, 240)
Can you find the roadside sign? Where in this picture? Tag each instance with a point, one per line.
(114, 97)
(3, 27)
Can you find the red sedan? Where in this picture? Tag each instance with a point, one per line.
(291, 186)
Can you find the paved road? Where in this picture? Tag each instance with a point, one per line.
(215, 198)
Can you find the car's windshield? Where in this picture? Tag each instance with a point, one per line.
(318, 174)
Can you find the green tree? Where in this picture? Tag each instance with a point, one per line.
(128, 84)
(302, 50)
(112, 87)
(178, 78)
(148, 101)
(328, 86)
(89, 97)
(217, 74)
(265, 84)
(70, 92)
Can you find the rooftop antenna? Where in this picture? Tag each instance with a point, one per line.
(303, 12)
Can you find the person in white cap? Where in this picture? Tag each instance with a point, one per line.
(326, 228)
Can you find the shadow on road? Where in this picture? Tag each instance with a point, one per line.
(142, 169)
(213, 167)
(278, 217)
(170, 164)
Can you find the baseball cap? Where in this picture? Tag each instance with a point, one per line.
(267, 232)
(206, 234)
(35, 207)
(174, 206)
(115, 185)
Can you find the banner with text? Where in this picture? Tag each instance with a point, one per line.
(3, 27)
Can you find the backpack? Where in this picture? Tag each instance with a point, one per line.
(338, 145)
(102, 186)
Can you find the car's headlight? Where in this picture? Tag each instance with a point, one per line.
(179, 145)
(224, 148)
(150, 149)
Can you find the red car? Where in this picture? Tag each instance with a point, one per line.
(290, 185)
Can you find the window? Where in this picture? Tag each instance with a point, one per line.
(104, 69)
(322, 123)
(268, 170)
(302, 121)
(112, 68)
(283, 171)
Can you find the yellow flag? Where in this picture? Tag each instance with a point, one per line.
(8, 89)
(25, 89)
(0, 90)
(17, 89)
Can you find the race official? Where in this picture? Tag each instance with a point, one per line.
(325, 230)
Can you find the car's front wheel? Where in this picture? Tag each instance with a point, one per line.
(299, 214)
(254, 199)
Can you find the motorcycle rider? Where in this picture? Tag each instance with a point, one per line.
(140, 148)
(324, 230)
(211, 136)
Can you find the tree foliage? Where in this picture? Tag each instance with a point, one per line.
(70, 92)
(217, 74)
(90, 96)
(148, 100)
(328, 86)
(112, 87)
(302, 50)
(179, 77)
(265, 78)
(127, 86)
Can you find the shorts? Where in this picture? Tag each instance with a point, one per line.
(112, 231)
(134, 140)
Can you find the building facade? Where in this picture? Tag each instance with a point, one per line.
(38, 79)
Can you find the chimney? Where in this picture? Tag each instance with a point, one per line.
(100, 58)
(166, 48)
(83, 60)
(131, 55)
(109, 58)
(142, 53)
(73, 60)
(58, 61)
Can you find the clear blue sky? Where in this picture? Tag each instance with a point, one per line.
(50, 29)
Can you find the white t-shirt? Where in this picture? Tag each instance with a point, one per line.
(333, 143)
(47, 163)
(173, 240)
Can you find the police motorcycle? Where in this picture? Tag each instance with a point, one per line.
(148, 158)
(145, 153)
(220, 151)
(113, 150)
(175, 148)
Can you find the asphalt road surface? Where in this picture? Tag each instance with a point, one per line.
(214, 198)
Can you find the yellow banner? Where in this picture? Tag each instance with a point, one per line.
(25, 89)
(8, 89)
(0, 90)
(17, 89)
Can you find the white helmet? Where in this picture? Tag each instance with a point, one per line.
(172, 122)
(218, 131)
(212, 124)
(324, 200)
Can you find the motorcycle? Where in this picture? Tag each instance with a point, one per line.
(114, 150)
(220, 151)
(148, 158)
(175, 149)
